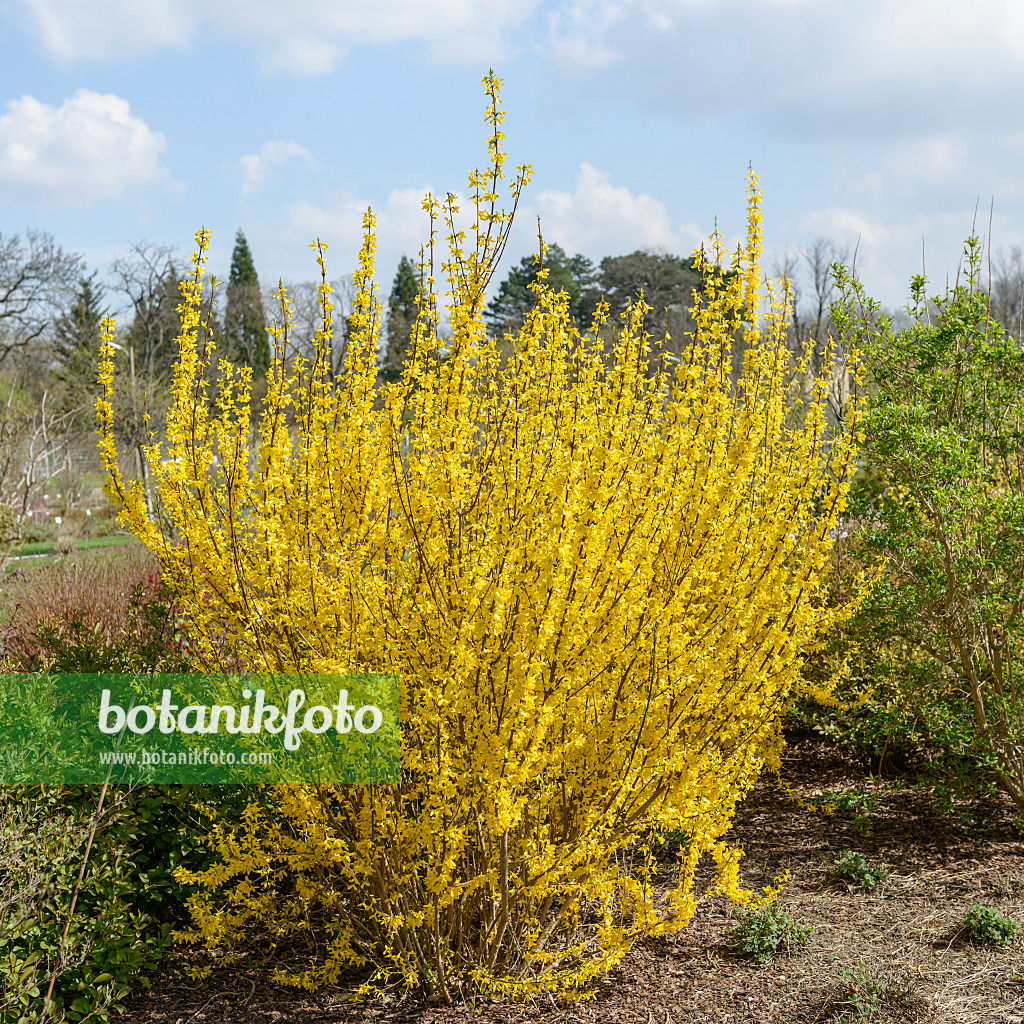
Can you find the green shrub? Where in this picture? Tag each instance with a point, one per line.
(985, 926)
(895, 705)
(129, 900)
(35, 530)
(853, 867)
(104, 615)
(765, 930)
(115, 935)
(940, 520)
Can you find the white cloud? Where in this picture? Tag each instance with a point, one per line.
(802, 69)
(401, 228)
(69, 29)
(256, 166)
(959, 163)
(876, 29)
(303, 54)
(578, 32)
(844, 224)
(304, 37)
(88, 148)
(934, 188)
(599, 217)
(889, 248)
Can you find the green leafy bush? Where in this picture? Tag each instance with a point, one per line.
(940, 518)
(128, 902)
(985, 926)
(854, 867)
(35, 530)
(115, 935)
(765, 930)
(104, 615)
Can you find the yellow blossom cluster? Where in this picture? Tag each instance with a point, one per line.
(597, 583)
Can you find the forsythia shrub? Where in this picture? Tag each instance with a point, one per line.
(597, 586)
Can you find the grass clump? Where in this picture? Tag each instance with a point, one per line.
(766, 930)
(854, 868)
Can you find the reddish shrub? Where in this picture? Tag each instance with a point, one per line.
(110, 614)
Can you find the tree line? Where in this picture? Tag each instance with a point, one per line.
(665, 281)
(52, 306)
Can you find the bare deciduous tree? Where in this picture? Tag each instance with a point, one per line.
(811, 323)
(307, 317)
(148, 279)
(36, 278)
(34, 445)
(1007, 290)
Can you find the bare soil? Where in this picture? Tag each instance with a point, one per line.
(907, 933)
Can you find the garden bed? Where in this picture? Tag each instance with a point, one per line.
(905, 933)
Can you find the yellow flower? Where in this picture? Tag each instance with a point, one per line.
(595, 584)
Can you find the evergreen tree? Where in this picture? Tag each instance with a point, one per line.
(401, 316)
(584, 276)
(245, 323)
(76, 345)
(668, 284)
(666, 281)
(508, 309)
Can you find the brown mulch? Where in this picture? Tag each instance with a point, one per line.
(906, 932)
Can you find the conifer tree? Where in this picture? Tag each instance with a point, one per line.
(244, 320)
(77, 341)
(575, 275)
(401, 316)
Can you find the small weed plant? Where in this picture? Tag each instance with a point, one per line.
(866, 993)
(858, 802)
(671, 840)
(985, 926)
(1009, 885)
(853, 867)
(855, 800)
(766, 930)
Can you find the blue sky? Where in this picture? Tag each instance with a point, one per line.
(887, 120)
